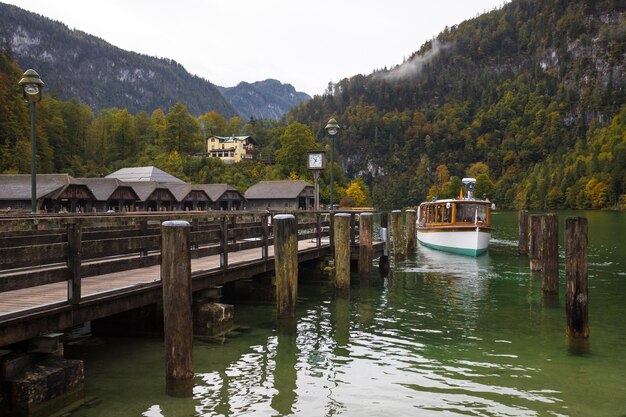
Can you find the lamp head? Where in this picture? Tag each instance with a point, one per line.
(32, 85)
(332, 127)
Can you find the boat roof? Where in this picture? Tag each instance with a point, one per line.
(458, 200)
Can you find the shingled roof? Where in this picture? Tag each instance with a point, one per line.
(103, 188)
(276, 189)
(181, 191)
(230, 139)
(215, 191)
(144, 189)
(144, 174)
(18, 186)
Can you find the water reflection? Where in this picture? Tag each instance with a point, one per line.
(443, 334)
(285, 369)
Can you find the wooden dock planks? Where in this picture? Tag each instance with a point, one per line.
(50, 294)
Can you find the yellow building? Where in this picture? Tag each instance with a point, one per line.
(231, 149)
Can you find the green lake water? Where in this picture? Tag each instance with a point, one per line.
(440, 335)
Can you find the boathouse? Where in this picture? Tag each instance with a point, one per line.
(189, 197)
(55, 193)
(153, 196)
(281, 195)
(222, 196)
(111, 194)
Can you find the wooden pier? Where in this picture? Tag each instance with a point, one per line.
(57, 272)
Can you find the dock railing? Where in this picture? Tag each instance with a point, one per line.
(40, 250)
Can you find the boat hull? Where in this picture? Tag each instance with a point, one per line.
(471, 241)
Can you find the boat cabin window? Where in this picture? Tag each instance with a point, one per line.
(436, 213)
(471, 213)
(447, 213)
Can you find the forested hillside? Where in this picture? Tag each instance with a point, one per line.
(530, 98)
(72, 139)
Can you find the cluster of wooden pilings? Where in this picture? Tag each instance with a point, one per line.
(404, 235)
(539, 240)
(176, 277)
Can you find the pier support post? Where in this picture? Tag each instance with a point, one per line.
(522, 240)
(577, 297)
(534, 243)
(178, 325)
(342, 251)
(74, 255)
(411, 235)
(143, 231)
(397, 231)
(286, 264)
(366, 250)
(383, 262)
(550, 253)
(224, 243)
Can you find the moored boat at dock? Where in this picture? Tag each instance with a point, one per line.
(460, 225)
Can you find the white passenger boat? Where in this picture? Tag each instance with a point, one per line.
(460, 225)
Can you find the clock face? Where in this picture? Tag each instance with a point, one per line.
(316, 160)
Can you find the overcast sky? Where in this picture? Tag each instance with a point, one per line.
(307, 43)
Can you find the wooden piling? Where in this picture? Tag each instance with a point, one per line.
(577, 297)
(177, 300)
(397, 232)
(550, 253)
(286, 264)
(224, 243)
(365, 244)
(411, 234)
(522, 240)
(74, 255)
(266, 221)
(383, 261)
(342, 251)
(534, 243)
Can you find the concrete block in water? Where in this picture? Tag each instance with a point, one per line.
(213, 318)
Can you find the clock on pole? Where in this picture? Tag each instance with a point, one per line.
(316, 162)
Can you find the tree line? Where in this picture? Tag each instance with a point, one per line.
(529, 99)
(72, 139)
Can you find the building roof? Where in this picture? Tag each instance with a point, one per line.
(215, 191)
(227, 139)
(144, 174)
(181, 191)
(276, 189)
(18, 186)
(144, 189)
(103, 188)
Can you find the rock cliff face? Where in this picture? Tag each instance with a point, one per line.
(269, 99)
(75, 64)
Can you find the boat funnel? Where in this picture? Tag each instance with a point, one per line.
(470, 184)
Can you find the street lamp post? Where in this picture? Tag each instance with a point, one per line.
(332, 128)
(32, 85)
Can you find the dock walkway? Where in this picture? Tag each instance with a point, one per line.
(59, 272)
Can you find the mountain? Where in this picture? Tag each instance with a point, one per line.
(530, 96)
(75, 64)
(269, 99)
